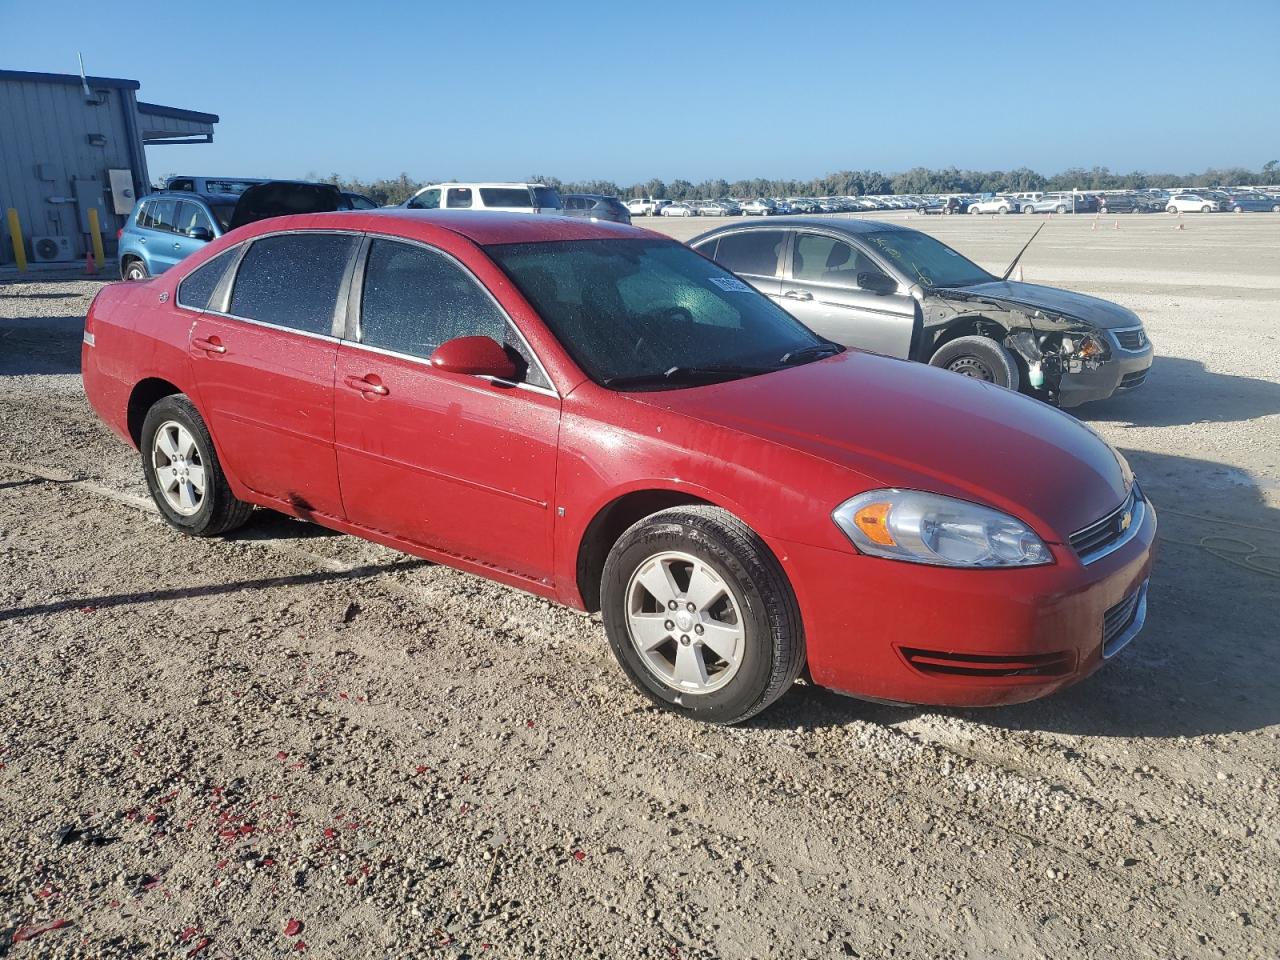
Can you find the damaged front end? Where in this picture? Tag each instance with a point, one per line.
(1050, 345)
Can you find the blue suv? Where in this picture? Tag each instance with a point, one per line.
(170, 226)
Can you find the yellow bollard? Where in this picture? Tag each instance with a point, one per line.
(15, 235)
(95, 235)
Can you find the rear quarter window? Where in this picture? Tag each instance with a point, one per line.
(506, 197)
(752, 252)
(292, 280)
(196, 290)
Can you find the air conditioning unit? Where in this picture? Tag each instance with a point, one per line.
(52, 249)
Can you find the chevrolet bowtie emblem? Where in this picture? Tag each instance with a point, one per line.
(1125, 519)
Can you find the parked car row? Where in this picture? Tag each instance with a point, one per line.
(1135, 201)
(677, 438)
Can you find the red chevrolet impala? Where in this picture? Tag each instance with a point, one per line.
(599, 415)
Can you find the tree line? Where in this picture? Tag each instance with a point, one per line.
(858, 183)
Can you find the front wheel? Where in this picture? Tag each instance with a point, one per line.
(974, 210)
(183, 473)
(700, 615)
(1206, 209)
(1060, 208)
(978, 357)
(135, 270)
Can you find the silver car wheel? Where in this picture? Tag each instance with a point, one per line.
(178, 467)
(685, 623)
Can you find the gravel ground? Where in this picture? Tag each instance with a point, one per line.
(298, 742)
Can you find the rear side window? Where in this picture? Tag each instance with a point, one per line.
(194, 292)
(752, 252)
(159, 215)
(292, 280)
(503, 197)
(458, 197)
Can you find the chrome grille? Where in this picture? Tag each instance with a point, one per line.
(1121, 623)
(1135, 338)
(1096, 540)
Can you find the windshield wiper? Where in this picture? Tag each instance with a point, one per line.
(687, 374)
(812, 353)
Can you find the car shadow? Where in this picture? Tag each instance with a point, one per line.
(1208, 660)
(94, 603)
(1180, 391)
(40, 345)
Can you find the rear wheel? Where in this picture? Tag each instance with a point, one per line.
(134, 269)
(974, 210)
(183, 473)
(1060, 208)
(1206, 209)
(700, 615)
(978, 357)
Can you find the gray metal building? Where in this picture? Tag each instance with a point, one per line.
(69, 143)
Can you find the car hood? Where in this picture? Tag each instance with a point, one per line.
(1075, 306)
(904, 424)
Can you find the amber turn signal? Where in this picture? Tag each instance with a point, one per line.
(873, 521)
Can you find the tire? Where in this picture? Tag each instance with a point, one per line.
(1170, 209)
(980, 358)
(216, 510)
(750, 597)
(1102, 211)
(1002, 210)
(974, 210)
(134, 270)
(1206, 209)
(1276, 208)
(1238, 209)
(1060, 208)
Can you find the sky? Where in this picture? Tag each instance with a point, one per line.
(627, 91)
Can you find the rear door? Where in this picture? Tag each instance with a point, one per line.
(158, 234)
(754, 255)
(263, 357)
(456, 463)
(821, 289)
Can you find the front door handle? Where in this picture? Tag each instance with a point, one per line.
(798, 295)
(369, 386)
(211, 344)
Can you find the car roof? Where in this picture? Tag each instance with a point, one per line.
(851, 226)
(479, 227)
(193, 195)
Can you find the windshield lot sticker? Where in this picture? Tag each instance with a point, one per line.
(732, 284)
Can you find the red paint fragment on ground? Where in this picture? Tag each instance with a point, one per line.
(222, 864)
(300, 946)
(293, 928)
(343, 696)
(24, 934)
(421, 768)
(579, 855)
(88, 609)
(247, 828)
(188, 933)
(200, 947)
(529, 723)
(46, 892)
(330, 833)
(282, 755)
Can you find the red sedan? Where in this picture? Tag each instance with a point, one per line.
(599, 415)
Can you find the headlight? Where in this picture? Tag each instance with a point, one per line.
(928, 528)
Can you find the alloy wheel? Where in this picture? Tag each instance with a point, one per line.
(685, 623)
(178, 467)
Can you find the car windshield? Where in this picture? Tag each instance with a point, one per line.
(925, 260)
(653, 314)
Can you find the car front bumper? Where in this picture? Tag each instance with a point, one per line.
(1126, 370)
(911, 633)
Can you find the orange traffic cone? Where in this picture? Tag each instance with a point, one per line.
(90, 268)
(1117, 224)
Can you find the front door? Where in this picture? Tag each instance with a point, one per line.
(754, 255)
(456, 463)
(264, 369)
(822, 290)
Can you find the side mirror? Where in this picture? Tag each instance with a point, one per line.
(203, 234)
(474, 356)
(877, 283)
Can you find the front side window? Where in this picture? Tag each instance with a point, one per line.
(415, 299)
(641, 313)
(751, 253)
(821, 259)
(426, 200)
(924, 260)
(292, 280)
(196, 290)
(191, 217)
(458, 198)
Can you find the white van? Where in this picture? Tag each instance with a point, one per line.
(503, 197)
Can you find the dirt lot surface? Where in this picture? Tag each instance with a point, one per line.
(296, 742)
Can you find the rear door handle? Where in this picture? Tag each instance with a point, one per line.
(367, 385)
(798, 295)
(212, 344)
